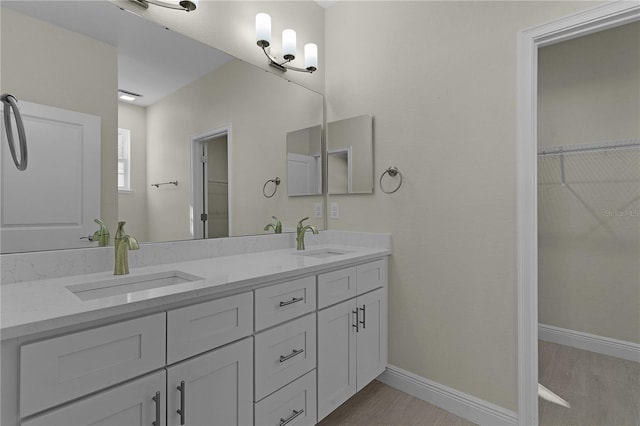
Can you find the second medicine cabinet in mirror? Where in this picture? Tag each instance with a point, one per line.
(350, 156)
(304, 161)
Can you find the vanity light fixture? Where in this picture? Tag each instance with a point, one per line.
(263, 39)
(186, 5)
(125, 95)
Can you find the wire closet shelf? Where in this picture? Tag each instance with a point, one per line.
(632, 143)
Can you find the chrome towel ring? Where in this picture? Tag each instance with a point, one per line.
(392, 171)
(275, 188)
(10, 102)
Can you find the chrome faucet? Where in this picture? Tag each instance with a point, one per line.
(277, 226)
(300, 231)
(101, 235)
(123, 243)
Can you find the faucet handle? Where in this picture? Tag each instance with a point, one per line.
(102, 235)
(302, 220)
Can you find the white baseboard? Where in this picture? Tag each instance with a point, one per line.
(466, 406)
(590, 342)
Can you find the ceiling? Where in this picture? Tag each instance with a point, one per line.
(152, 60)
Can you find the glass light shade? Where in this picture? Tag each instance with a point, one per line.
(311, 56)
(289, 44)
(263, 28)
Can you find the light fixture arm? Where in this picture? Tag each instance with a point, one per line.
(283, 66)
(187, 6)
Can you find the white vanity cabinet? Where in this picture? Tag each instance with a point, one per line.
(274, 353)
(352, 335)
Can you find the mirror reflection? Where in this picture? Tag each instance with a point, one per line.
(350, 155)
(186, 159)
(304, 161)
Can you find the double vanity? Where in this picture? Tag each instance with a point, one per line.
(269, 337)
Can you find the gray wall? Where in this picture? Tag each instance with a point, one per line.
(439, 78)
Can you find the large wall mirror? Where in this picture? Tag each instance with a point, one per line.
(186, 159)
(350, 155)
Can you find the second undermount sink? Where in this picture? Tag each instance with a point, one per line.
(129, 284)
(323, 252)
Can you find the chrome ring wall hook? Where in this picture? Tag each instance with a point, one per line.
(10, 102)
(392, 171)
(275, 188)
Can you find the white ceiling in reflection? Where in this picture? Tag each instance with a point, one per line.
(145, 66)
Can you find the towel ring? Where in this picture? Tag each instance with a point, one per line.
(392, 171)
(275, 188)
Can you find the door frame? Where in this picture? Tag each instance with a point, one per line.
(590, 21)
(197, 188)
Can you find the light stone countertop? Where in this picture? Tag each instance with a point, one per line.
(43, 305)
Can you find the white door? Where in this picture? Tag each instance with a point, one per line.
(372, 337)
(302, 174)
(336, 356)
(217, 390)
(53, 203)
(130, 404)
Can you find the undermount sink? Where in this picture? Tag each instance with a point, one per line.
(129, 284)
(321, 253)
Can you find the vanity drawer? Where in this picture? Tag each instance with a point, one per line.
(283, 354)
(198, 328)
(336, 286)
(294, 404)
(282, 302)
(63, 368)
(371, 276)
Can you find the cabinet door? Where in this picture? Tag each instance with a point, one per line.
(218, 387)
(130, 404)
(336, 356)
(372, 336)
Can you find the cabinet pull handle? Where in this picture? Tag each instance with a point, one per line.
(182, 393)
(283, 358)
(292, 301)
(356, 325)
(291, 417)
(156, 399)
(364, 318)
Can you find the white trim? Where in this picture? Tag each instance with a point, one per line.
(590, 342)
(196, 180)
(459, 403)
(596, 19)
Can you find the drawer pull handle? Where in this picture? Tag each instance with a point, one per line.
(156, 399)
(283, 358)
(291, 417)
(292, 301)
(364, 318)
(181, 410)
(356, 325)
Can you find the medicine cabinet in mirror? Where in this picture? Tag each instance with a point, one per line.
(350, 155)
(304, 161)
(205, 120)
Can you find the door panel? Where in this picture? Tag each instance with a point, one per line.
(54, 201)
